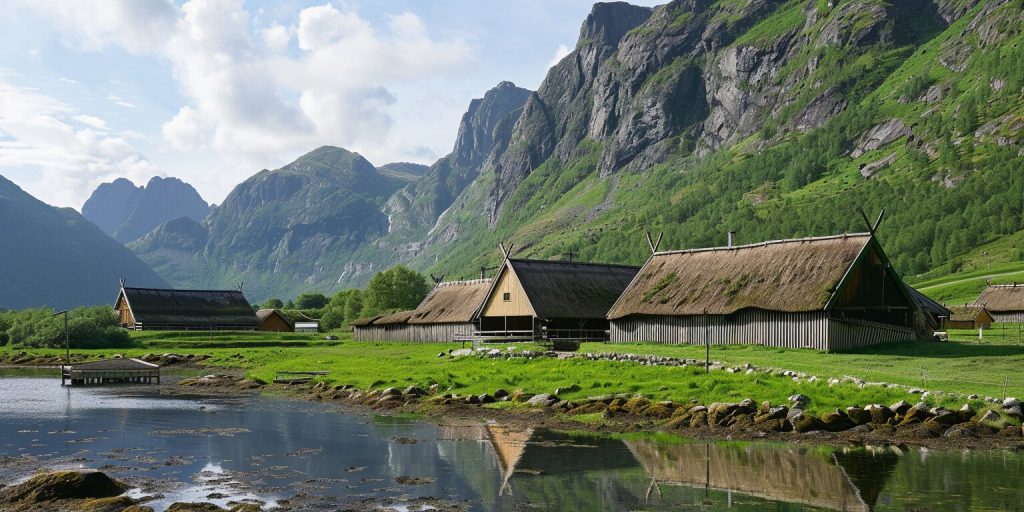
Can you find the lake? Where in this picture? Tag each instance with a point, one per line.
(300, 455)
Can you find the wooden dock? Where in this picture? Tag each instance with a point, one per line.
(110, 371)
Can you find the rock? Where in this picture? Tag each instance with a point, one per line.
(414, 391)
(114, 504)
(900, 407)
(138, 508)
(916, 414)
(747, 403)
(966, 412)
(1011, 402)
(946, 419)
(62, 485)
(799, 399)
(442, 354)
(990, 416)
(658, 410)
(972, 397)
(636, 404)
(473, 399)
(858, 415)
(880, 135)
(246, 507)
(915, 391)
(486, 399)
(500, 393)
(542, 400)
(391, 392)
(806, 423)
(194, 507)
(569, 389)
(880, 414)
(836, 421)
(773, 413)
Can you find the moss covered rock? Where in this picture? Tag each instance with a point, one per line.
(63, 485)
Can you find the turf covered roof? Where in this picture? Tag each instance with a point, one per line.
(190, 307)
(1001, 298)
(784, 275)
(452, 302)
(569, 289)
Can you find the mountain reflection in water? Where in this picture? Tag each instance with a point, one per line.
(270, 450)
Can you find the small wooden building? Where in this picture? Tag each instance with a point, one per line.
(969, 316)
(537, 299)
(271, 320)
(184, 310)
(827, 293)
(448, 311)
(110, 371)
(1005, 302)
(389, 327)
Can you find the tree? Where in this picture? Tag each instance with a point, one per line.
(91, 327)
(311, 300)
(272, 304)
(395, 288)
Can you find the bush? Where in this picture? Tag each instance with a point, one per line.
(88, 327)
(310, 300)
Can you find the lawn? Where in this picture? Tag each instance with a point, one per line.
(958, 366)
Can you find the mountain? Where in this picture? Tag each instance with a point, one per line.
(55, 257)
(405, 170)
(771, 118)
(281, 231)
(127, 212)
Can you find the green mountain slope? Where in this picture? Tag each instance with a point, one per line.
(55, 257)
(772, 118)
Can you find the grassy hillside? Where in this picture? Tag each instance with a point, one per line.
(949, 185)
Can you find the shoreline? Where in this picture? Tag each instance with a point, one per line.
(902, 424)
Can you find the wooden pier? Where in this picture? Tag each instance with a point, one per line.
(110, 371)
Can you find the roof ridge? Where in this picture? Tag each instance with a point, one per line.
(465, 282)
(178, 290)
(566, 262)
(1014, 285)
(765, 243)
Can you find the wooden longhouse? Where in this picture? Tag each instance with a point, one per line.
(447, 312)
(184, 310)
(969, 317)
(551, 300)
(1004, 301)
(271, 320)
(828, 293)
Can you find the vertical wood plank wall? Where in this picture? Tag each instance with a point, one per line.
(757, 327)
(420, 333)
(1009, 316)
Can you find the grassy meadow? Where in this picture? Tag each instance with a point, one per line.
(960, 366)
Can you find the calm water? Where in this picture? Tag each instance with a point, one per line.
(271, 450)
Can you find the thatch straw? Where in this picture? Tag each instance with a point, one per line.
(1001, 298)
(564, 289)
(453, 302)
(786, 275)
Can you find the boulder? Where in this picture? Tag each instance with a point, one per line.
(63, 485)
(486, 399)
(194, 507)
(858, 415)
(806, 423)
(391, 392)
(542, 400)
(836, 421)
(500, 393)
(568, 389)
(900, 408)
(880, 414)
(916, 414)
(1014, 411)
(990, 416)
(415, 391)
(966, 412)
(771, 414)
(1011, 402)
(114, 504)
(945, 419)
(799, 399)
(658, 410)
(636, 404)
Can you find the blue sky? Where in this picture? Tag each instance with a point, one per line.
(213, 91)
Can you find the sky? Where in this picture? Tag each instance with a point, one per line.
(213, 91)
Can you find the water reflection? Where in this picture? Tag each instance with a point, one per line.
(266, 450)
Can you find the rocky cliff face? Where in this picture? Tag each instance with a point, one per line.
(484, 133)
(763, 114)
(55, 257)
(127, 212)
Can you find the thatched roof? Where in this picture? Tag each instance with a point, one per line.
(1001, 298)
(453, 302)
(784, 275)
(189, 307)
(569, 289)
(399, 317)
(363, 322)
(927, 304)
(965, 313)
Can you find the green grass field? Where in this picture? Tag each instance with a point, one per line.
(961, 366)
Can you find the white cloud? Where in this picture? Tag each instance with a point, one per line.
(119, 101)
(70, 153)
(560, 53)
(254, 99)
(183, 131)
(92, 121)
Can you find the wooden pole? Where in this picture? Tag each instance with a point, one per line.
(707, 343)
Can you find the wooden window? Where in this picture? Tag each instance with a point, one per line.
(507, 297)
